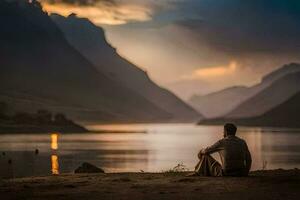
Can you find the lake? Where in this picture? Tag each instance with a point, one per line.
(151, 148)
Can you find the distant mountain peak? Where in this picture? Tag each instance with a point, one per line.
(233, 99)
(74, 20)
(284, 70)
(72, 15)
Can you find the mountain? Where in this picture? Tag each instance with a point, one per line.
(281, 72)
(90, 41)
(278, 92)
(40, 69)
(221, 103)
(284, 115)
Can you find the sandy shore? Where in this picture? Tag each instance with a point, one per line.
(276, 184)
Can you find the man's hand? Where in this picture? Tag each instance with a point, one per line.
(201, 152)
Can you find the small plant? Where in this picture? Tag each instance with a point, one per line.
(264, 165)
(177, 169)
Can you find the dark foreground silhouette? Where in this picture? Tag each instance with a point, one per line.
(277, 184)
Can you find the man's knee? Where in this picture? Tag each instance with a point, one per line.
(205, 156)
(200, 155)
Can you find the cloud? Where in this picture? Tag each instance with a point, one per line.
(260, 35)
(108, 12)
(239, 27)
(208, 73)
(80, 2)
(197, 38)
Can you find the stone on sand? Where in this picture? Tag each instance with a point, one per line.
(88, 168)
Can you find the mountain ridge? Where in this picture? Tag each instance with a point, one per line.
(91, 42)
(235, 97)
(41, 63)
(284, 115)
(268, 98)
(275, 106)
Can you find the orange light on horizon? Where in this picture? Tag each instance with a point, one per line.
(102, 12)
(217, 71)
(212, 72)
(54, 141)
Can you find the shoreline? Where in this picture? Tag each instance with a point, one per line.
(268, 184)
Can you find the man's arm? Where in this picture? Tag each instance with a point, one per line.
(211, 149)
(248, 158)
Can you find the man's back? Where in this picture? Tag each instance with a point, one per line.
(234, 153)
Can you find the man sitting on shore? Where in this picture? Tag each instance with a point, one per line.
(234, 153)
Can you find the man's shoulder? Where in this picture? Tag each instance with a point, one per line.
(241, 141)
(234, 138)
(223, 140)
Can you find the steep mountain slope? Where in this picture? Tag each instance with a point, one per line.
(281, 72)
(221, 103)
(284, 115)
(278, 92)
(90, 41)
(38, 63)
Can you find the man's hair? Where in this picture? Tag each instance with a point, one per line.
(230, 128)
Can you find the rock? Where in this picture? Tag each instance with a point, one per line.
(88, 168)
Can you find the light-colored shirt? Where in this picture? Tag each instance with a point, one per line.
(234, 153)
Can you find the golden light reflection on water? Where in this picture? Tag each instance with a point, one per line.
(54, 157)
(54, 164)
(54, 144)
(117, 127)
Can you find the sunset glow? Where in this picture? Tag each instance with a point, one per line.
(216, 71)
(183, 43)
(150, 99)
(102, 13)
(213, 72)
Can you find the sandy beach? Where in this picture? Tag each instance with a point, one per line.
(275, 184)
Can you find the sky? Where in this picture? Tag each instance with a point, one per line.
(196, 46)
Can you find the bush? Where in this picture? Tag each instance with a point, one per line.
(60, 119)
(44, 117)
(177, 169)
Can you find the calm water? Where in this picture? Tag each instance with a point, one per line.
(161, 148)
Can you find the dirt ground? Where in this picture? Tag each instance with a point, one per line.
(276, 184)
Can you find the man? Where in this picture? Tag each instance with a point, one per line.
(234, 153)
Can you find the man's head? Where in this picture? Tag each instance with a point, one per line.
(229, 129)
